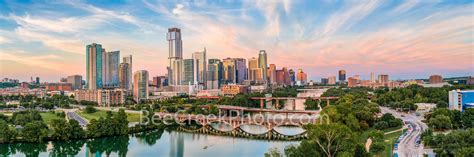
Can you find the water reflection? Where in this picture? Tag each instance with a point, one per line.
(289, 130)
(254, 129)
(153, 143)
(28, 149)
(63, 148)
(222, 126)
(108, 145)
(149, 137)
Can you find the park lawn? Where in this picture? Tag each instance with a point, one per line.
(392, 129)
(131, 117)
(48, 116)
(390, 141)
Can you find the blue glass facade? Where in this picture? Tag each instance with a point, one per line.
(467, 99)
(99, 64)
(94, 66)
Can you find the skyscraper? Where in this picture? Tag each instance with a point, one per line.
(75, 81)
(241, 69)
(128, 59)
(324, 81)
(383, 78)
(140, 87)
(200, 67)
(292, 77)
(188, 72)
(332, 80)
(301, 77)
(95, 66)
(286, 74)
(214, 74)
(262, 63)
(280, 77)
(342, 76)
(37, 80)
(272, 74)
(124, 76)
(175, 56)
(113, 61)
(229, 75)
(434, 79)
(372, 77)
(254, 71)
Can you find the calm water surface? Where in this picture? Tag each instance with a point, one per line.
(156, 143)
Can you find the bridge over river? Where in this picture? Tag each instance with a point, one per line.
(206, 124)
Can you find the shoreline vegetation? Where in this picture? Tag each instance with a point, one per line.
(30, 126)
(354, 117)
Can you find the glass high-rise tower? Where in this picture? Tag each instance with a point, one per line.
(262, 64)
(200, 67)
(175, 56)
(140, 86)
(124, 76)
(95, 66)
(188, 72)
(112, 70)
(214, 74)
(128, 60)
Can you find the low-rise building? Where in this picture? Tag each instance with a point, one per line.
(461, 100)
(209, 93)
(61, 86)
(234, 89)
(257, 88)
(425, 107)
(103, 97)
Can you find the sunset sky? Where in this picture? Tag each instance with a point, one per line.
(405, 39)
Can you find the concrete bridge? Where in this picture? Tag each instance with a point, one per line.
(263, 100)
(269, 122)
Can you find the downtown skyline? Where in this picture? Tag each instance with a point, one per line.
(402, 39)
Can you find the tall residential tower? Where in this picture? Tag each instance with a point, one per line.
(262, 63)
(95, 66)
(128, 60)
(200, 67)
(175, 56)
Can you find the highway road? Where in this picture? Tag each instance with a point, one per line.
(408, 146)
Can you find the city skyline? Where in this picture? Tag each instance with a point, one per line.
(427, 37)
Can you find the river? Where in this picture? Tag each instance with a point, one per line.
(168, 142)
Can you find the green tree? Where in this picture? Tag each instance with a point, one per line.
(90, 109)
(440, 122)
(121, 118)
(213, 110)
(76, 130)
(35, 131)
(331, 139)
(360, 151)
(273, 152)
(377, 147)
(61, 130)
(441, 104)
(467, 118)
(7, 134)
(311, 104)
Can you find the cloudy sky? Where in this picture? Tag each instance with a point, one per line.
(405, 39)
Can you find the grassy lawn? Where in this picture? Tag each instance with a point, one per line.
(390, 140)
(103, 113)
(48, 116)
(392, 129)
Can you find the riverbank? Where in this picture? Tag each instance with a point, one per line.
(160, 142)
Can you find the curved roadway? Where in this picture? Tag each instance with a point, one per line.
(407, 146)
